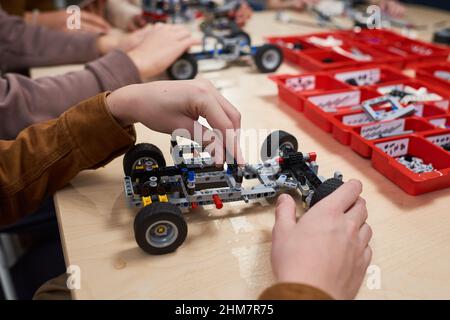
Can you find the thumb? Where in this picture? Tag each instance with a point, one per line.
(285, 218)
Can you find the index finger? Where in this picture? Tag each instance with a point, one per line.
(235, 116)
(343, 198)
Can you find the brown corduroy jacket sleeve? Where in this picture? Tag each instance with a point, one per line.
(46, 156)
(25, 101)
(293, 291)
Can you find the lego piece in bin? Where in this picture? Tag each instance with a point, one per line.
(352, 82)
(442, 36)
(298, 46)
(398, 111)
(329, 41)
(446, 147)
(409, 94)
(360, 78)
(354, 54)
(441, 74)
(415, 164)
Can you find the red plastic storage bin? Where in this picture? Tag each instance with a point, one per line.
(333, 104)
(442, 102)
(439, 137)
(430, 73)
(384, 47)
(409, 50)
(429, 110)
(440, 121)
(369, 75)
(323, 59)
(384, 160)
(291, 45)
(293, 89)
(345, 122)
(320, 108)
(363, 136)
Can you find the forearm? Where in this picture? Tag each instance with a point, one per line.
(24, 102)
(25, 46)
(293, 291)
(46, 156)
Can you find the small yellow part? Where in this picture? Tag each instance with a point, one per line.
(161, 230)
(146, 201)
(163, 198)
(154, 166)
(139, 167)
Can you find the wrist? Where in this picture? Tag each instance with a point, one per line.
(311, 278)
(107, 43)
(141, 64)
(121, 107)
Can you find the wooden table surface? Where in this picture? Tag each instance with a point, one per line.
(226, 254)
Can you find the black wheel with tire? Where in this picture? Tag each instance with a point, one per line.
(184, 68)
(276, 142)
(326, 188)
(160, 228)
(140, 154)
(268, 58)
(244, 38)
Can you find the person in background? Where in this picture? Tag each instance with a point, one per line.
(392, 7)
(115, 62)
(323, 255)
(44, 13)
(127, 14)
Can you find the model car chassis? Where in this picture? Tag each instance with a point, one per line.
(228, 47)
(164, 193)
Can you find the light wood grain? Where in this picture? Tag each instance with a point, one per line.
(226, 255)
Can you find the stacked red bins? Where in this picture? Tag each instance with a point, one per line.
(333, 100)
(344, 49)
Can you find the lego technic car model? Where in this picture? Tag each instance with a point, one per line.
(229, 48)
(187, 10)
(165, 192)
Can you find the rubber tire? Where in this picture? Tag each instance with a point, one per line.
(241, 34)
(155, 212)
(325, 189)
(142, 150)
(191, 60)
(259, 54)
(268, 151)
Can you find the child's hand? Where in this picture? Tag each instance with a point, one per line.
(161, 46)
(328, 247)
(393, 8)
(125, 42)
(137, 22)
(291, 4)
(243, 14)
(166, 106)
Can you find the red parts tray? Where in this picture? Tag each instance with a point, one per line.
(344, 49)
(435, 73)
(331, 100)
